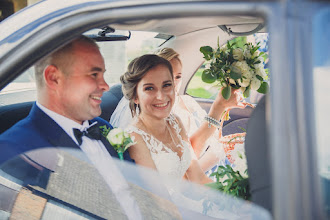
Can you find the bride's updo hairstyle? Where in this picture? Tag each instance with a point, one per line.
(136, 70)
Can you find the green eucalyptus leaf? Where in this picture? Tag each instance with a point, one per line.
(246, 93)
(214, 185)
(235, 73)
(264, 88)
(208, 76)
(207, 52)
(235, 86)
(260, 78)
(213, 174)
(226, 92)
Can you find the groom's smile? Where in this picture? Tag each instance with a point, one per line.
(81, 90)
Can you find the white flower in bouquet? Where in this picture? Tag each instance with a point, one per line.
(248, 74)
(260, 64)
(247, 53)
(243, 67)
(244, 82)
(255, 83)
(232, 81)
(261, 72)
(238, 54)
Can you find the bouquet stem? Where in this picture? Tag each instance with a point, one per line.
(121, 155)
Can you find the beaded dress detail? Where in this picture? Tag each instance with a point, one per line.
(167, 161)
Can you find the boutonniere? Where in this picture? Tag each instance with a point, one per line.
(119, 139)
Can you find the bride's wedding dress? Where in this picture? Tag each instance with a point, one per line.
(168, 162)
(173, 167)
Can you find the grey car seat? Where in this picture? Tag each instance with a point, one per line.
(258, 157)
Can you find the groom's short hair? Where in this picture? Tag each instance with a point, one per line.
(61, 58)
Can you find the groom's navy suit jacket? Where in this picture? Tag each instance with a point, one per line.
(38, 130)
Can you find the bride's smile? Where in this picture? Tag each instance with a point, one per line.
(155, 93)
(162, 105)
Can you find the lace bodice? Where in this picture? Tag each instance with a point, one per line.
(167, 161)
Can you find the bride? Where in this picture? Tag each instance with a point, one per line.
(161, 140)
(192, 116)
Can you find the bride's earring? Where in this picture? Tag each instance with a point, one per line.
(137, 110)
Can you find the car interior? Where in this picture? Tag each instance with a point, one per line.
(185, 33)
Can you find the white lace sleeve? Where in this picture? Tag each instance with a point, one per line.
(122, 116)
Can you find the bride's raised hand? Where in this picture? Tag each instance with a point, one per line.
(236, 100)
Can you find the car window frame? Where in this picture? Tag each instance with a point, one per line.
(283, 123)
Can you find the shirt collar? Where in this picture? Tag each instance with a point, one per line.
(65, 123)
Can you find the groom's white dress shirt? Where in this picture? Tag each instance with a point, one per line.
(102, 160)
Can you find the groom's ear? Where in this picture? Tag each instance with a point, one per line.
(51, 76)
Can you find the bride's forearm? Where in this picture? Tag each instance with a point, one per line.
(196, 174)
(207, 129)
(209, 160)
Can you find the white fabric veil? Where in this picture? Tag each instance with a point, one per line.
(122, 116)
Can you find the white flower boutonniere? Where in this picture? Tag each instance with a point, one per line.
(119, 139)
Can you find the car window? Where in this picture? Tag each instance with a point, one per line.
(117, 55)
(197, 88)
(61, 183)
(321, 35)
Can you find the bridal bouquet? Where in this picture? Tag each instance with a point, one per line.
(233, 179)
(119, 139)
(234, 67)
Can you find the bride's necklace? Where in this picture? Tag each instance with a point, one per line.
(172, 144)
(172, 138)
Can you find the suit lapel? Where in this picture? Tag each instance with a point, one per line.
(56, 136)
(109, 147)
(49, 129)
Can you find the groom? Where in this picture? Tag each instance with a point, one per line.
(70, 84)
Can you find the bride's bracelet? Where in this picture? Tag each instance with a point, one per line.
(212, 121)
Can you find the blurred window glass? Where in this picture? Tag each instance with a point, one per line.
(321, 62)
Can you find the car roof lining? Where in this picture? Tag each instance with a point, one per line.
(185, 25)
